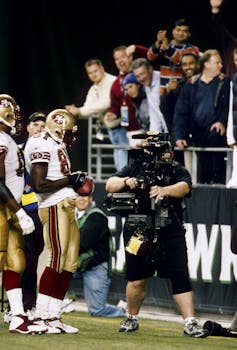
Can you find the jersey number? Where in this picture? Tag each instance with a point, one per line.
(64, 162)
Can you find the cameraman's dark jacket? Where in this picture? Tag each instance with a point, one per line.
(139, 168)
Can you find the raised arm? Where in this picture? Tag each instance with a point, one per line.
(216, 5)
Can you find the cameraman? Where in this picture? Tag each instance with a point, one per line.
(168, 252)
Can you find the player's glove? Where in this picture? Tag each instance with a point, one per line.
(77, 179)
(25, 221)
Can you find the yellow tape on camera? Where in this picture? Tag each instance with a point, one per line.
(134, 245)
(28, 198)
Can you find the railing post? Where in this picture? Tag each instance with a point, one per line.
(194, 166)
(229, 158)
(89, 151)
(98, 165)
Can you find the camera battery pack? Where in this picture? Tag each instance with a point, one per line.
(134, 244)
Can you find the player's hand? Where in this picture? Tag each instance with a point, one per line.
(25, 221)
(77, 178)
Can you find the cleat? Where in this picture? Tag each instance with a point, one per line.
(191, 329)
(50, 329)
(31, 314)
(7, 316)
(129, 325)
(44, 321)
(21, 324)
(67, 306)
(64, 328)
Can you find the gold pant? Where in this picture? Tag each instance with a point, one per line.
(11, 241)
(61, 235)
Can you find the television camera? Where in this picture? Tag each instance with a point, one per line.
(152, 164)
(152, 161)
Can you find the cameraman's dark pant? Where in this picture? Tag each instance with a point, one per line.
(168, 257)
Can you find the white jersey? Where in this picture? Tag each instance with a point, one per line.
(41, 149)
(14, 165)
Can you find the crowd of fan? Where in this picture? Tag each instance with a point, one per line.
(174, 87)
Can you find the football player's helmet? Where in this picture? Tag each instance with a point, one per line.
(60, 124)
(8, 110)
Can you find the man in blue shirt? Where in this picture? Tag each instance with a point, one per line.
(201, 114)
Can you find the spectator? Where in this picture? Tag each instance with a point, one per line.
(97, 100)
(95, 241)
(34, 242)
(189, 65)
(225, 41)
(14, 221)
(232, 131)
(150, 79)
(168, 54)
(201, 111)
(121, 135)
(136, 91)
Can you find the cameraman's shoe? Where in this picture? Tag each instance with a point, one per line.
(129, 325)
(191, 329)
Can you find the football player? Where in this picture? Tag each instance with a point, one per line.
(13, 219)
(48, 164)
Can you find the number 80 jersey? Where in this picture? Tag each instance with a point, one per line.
(43, 149)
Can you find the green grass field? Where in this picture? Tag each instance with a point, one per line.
(102, 334)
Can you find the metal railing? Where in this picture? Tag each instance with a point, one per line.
(193, 161)
(101, 174)
(101, 161)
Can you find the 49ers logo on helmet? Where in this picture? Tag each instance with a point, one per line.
(58, 119)
(5, 103)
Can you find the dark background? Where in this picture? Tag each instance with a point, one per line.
(44, 44)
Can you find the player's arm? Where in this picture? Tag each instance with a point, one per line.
(25, 221)
(215, 6)
(5, 194)
(79, 180)
(38, 174)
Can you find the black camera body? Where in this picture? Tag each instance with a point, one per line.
(153, 164)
